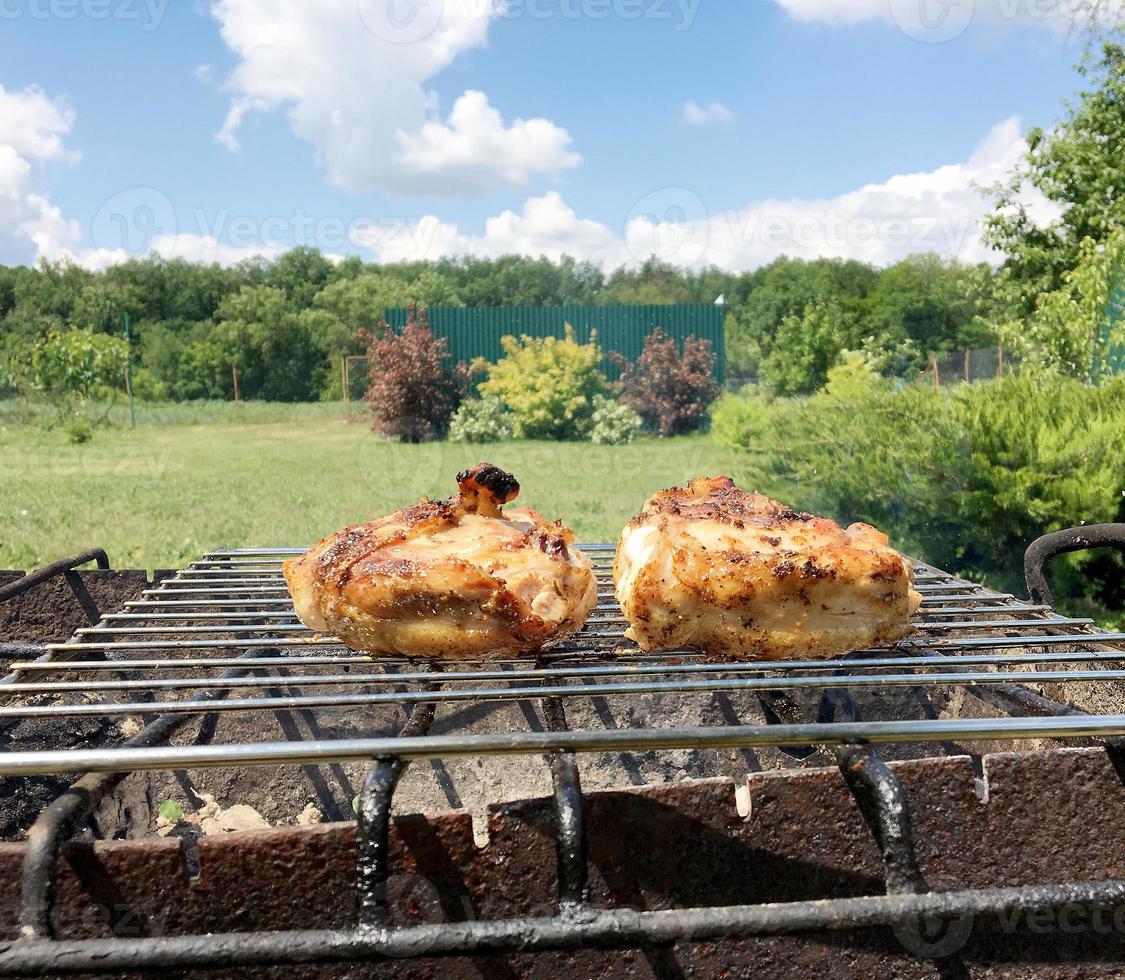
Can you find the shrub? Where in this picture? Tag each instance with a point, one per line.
(670, 391)
(549, 384)
(481, 420)
(964, 477)
(613, 423)
(78, 429)
(412, 394)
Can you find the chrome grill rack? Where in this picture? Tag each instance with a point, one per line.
(230, 611)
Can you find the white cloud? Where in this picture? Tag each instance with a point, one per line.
(941, 20)
(352, 76)
(937, 210)
(703, 115)
(33, 128)
(474, 149)
(32, 132)
(546, 226)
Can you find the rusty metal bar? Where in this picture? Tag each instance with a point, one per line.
(1060, 542)
(596, 929)
(882, 801)
(39, 575)
(63, 816)
(373, 824)
(570, 824)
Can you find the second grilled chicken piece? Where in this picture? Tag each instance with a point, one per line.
(709, 567)
(454, 579)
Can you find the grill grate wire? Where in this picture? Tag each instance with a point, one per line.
(163, 653)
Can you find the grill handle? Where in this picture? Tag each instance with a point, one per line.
(31, 579)
(1042, 549)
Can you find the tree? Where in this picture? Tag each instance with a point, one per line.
(300, 273)
(272, 346)
(806, 348)
(933, 304)
(671, 391)
(1079, 167)
(73, 367)
(785, 288)
(1078, 330)
(101, 306)
(413, 394)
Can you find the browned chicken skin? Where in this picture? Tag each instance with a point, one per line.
(709, 567)
(454, 579)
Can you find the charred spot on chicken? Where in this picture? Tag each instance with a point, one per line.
(710, 567)
(454, 579)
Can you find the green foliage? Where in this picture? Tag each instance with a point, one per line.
(786, 288)
(1077, 164)
(72, 368)
(78, 429)
(930, 305)
(613, 423)
(549, 384)
(481, 420)
(273, 348)
(171, 811)
(805, 348)
(965, 477)
(1078, 328)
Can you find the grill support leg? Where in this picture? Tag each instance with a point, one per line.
(373, 827)
(570, 824)
(880, 798)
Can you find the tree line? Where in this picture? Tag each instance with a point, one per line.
(285, 324)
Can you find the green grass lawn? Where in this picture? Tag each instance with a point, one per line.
(165, 493)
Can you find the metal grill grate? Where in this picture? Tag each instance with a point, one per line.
(221, 636)
(230, 611)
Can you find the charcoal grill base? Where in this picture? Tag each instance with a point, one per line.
(651, 848)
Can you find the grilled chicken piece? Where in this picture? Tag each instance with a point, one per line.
(709, 567)
(450, 579)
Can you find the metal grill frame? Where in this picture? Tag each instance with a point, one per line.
(239, 592)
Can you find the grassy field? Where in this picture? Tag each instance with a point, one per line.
(163, 494)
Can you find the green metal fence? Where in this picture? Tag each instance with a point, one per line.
(476, 331)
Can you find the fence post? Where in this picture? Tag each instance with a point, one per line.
(23, 404)
(1000, 361)
(967, 367)
(234, 376)
(344, 382)
(937, 375)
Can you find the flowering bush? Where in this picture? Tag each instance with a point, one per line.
(412, 393)
(670, 391)
(481, 420)
(549, 384)
(613, 423)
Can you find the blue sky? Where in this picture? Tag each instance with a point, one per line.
(401, 137)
